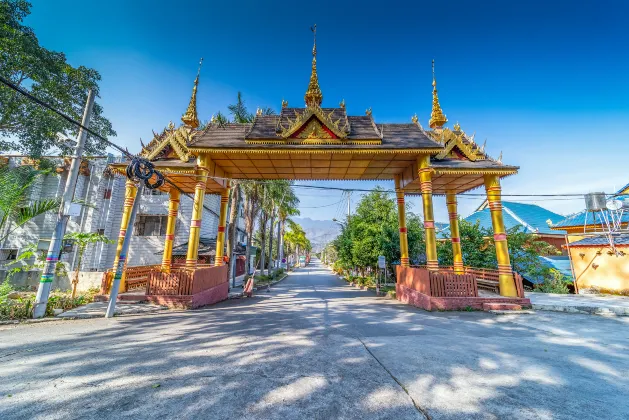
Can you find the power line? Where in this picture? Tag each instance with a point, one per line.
(318, 207)
(129, 155)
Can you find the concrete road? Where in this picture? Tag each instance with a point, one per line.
(315, 348)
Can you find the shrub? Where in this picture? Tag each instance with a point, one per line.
(554, 282)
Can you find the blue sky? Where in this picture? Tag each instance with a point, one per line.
(544, 82)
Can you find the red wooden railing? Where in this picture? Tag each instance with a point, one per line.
(485, 278)
(177, 282)
(452, 285)
(135, 278)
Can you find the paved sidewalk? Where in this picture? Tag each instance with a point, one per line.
(98, 309)
(582, 304)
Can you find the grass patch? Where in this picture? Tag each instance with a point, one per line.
(20, 304)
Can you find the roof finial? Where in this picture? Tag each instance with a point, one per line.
(190, 118)
(313, 96)
(437, 117)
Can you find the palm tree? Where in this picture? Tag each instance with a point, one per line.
(82, 240)
(252, 192)
(288, 207)
(14, 184)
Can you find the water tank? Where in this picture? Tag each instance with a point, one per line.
(595, 201)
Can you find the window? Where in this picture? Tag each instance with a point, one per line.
(151, 226)
(147, 191)
(8, 254)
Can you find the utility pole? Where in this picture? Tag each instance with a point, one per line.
(54, 248)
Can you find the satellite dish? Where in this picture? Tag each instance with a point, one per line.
(614, 204)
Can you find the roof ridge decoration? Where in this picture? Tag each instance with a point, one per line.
(437, 117)
(302, 119)
(451, 139)
(313, 95)
(190, 117)
(170, 139)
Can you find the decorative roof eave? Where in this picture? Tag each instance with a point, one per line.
(314, 151)
(309, 111)
(374, 142)
(178, 139)
(121, 169)
(465, 144)
(475, 171)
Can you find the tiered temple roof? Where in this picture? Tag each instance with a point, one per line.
(320, 143)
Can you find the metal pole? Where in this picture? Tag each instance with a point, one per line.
(54, 249)
(113, 295)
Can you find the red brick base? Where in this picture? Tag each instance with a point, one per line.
(206, 297)
(429, 303)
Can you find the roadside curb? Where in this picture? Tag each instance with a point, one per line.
(586, 310)
(239, 295)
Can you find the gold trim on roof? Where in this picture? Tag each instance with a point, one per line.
(451, 139)
(178, 139)
(326, 119)
(313, 95)
(374, 142)
(437, 117)
(190, 117)
(315, 151)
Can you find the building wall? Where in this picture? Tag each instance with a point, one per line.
(104, 214)
(595, 267)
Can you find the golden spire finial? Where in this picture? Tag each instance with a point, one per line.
(313, 96)
(414, 119)
(190, 118)
(284, 103)
(437, 117)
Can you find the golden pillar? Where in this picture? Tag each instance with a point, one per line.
(202, 171)
(506, 281)
(131, 191)
(401, 211)
(173, 209)
(222, 221)
(455, 236)
(425, 182)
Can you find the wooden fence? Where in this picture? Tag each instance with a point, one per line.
(486, 278)
(177, 282)
(135, 278)
(452, 285)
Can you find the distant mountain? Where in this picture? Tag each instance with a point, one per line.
(319, 232)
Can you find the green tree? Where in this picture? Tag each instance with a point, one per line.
(25, 126)
(14, 211)
(82, 240)
(478, 249)
(374, 230)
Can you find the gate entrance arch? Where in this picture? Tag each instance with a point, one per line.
(321, 143)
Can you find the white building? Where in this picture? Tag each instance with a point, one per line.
(104, 193)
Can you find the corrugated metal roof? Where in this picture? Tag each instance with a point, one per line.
(530, 216)
(580, 219)
(622, 239)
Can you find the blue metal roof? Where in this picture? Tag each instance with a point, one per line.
(622, 239)
(580, 219)
(560, 263)
(530, 216)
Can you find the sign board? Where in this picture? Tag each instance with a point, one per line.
(302, 258)
(381, 262)
(72, 209)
